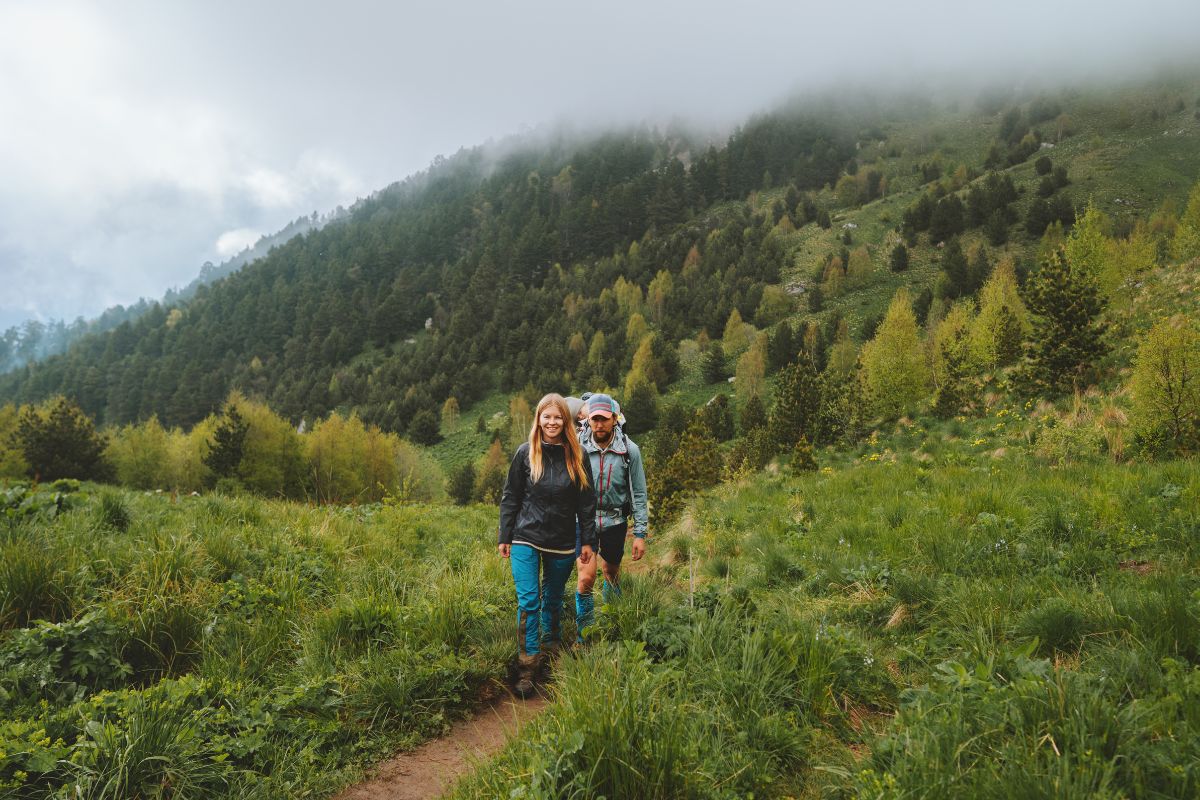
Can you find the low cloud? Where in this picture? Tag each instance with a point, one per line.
(230, 243)
(139, 136)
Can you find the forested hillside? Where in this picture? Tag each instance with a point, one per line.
(841, 262)
(326, 319)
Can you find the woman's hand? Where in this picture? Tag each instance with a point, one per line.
(504, 550)
(585, 554)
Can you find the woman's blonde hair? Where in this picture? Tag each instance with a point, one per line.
(570, 441)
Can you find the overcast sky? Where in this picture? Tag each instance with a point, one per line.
(140, 139)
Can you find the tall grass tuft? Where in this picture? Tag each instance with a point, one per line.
(35, 582)
(113, 512)
(154, 749)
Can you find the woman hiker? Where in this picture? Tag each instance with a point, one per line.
(548, 490)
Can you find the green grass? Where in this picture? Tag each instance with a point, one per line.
(892, 626)
(235, 646)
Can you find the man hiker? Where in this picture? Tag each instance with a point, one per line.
(620, 486)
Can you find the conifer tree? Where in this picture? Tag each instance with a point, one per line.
(899, 258)
(1186, 244)
(956, 272)
(947, 219)
(718, 417)
(641, 403)
(462, 484)
(1067, 338)
(1002, 322)
(995, 228)
(227, 447)
(424, 428)
(694, 466)
(712, 365)
(797, 401)
(816, 299)
(753, 416)
(951, 358)
(843, 408)
(803, 459)
(894, 370)
(781, 347)
(1166, 386)
(60, 441)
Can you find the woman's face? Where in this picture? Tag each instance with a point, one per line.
(551, 422)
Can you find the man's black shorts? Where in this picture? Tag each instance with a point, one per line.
(612, 543)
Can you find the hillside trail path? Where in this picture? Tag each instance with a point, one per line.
(431, 769)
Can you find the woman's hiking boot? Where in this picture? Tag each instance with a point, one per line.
(527, 672)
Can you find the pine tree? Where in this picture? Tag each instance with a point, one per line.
(781, 348)
(803, 459)
(797, 400)
(641, 403)
(899, 259)
(753, 416)
(1000, 326)
(712, 366)
(956, 272)
(462, 484)
(816, 299)
(694, 466)
(996, 228)
(227, 447)
(424, 428)
(717, 416)
(894, 370)
(947, 219)
(1166, 386)
(1068, 332)
(843, 408)
(951, 358)
(60, 441)
(1186, 244)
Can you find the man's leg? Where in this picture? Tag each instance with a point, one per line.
(612, 583)
(585, 603)
(612, 550)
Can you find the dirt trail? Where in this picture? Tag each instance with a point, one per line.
(431, 769)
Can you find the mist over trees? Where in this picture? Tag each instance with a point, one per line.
(455, 282)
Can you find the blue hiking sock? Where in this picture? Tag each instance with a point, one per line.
(585, 612)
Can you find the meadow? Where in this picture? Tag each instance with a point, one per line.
(978, 606)
(933, 617)
(160, 646)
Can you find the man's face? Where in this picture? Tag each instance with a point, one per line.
(602, 427)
